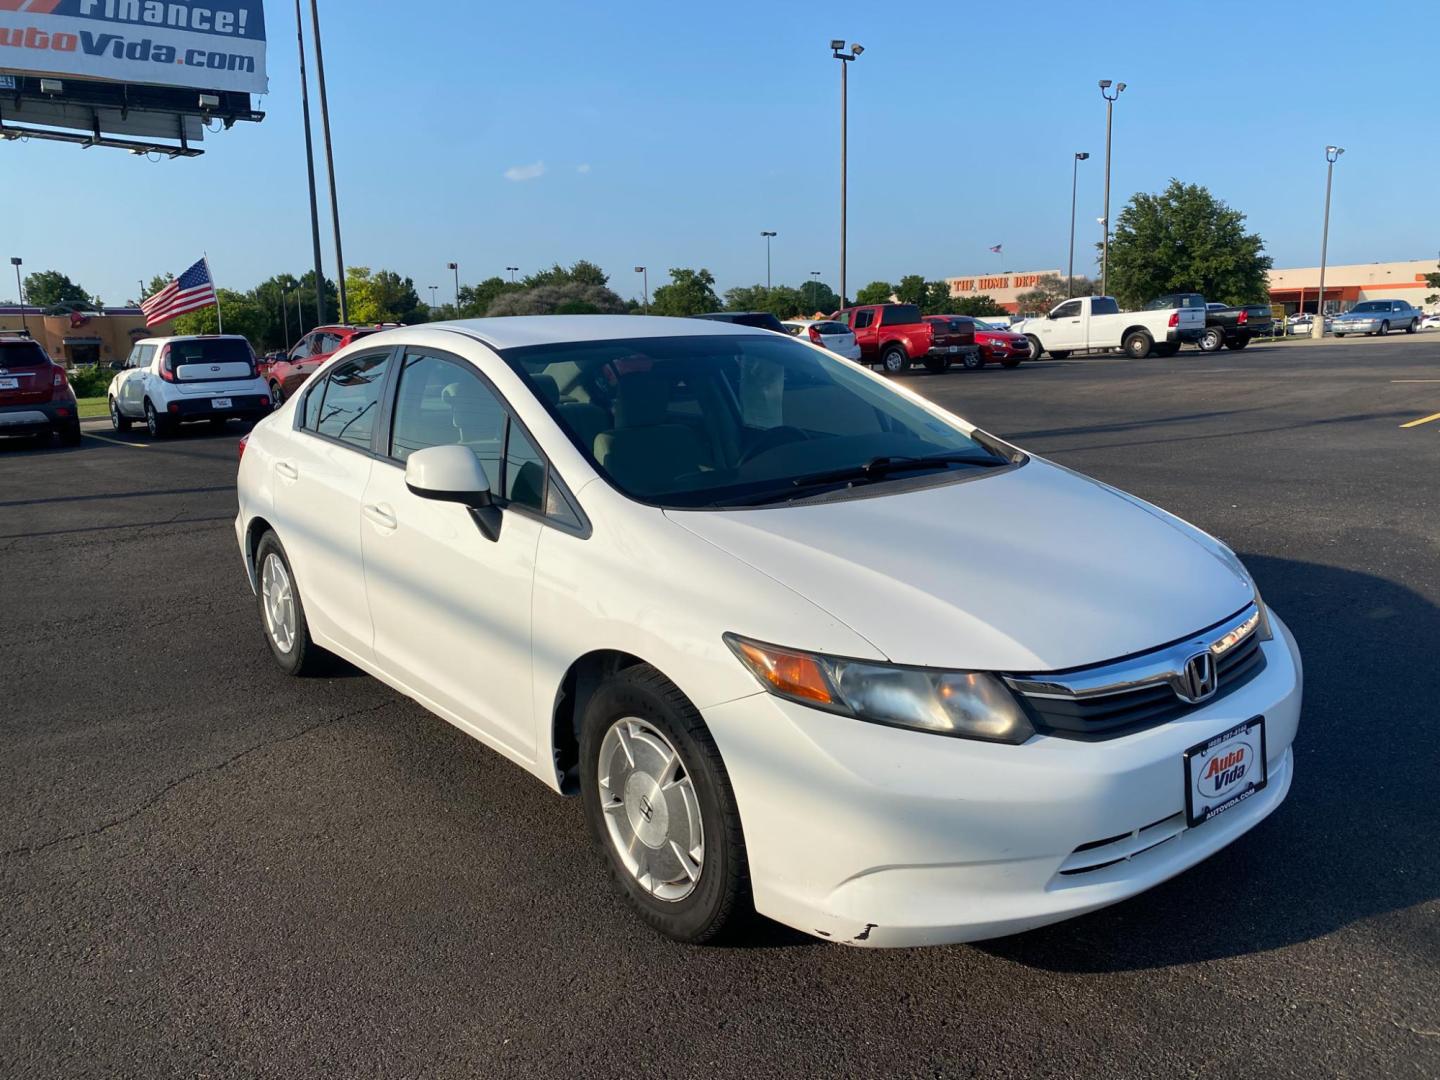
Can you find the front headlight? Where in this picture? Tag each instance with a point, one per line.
(963, 704)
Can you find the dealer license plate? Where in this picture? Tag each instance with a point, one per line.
(954, 348)
(220, 403)
(9, 384)
(1223, 772)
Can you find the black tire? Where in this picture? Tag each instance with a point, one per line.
(1211, 339)
(1010, 362)
(1170, 348)
(1384, 328)
(1138, 344)
(277, 395)
(120, 422)
(1062, 354)
(1411, 327)
(894, 360)
(937, 365)
(304, 656)
(156, 424)
(70, 434)
(974, 361)
(1238, 343)
(1036, 349)
(217, 423)
(721, 900)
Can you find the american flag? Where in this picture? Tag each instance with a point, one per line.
(996, 248)
(191, 291)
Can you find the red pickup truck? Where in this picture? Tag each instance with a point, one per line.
(897, 335)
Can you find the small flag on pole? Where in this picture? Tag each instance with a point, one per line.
(996, 249)
(191, 291)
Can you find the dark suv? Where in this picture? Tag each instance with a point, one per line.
(35, 395)
(762, 319)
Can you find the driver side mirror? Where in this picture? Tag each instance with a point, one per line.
(454, 474)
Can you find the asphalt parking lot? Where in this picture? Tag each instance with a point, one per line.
(208, 869)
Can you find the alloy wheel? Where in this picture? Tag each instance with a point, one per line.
(651, 811)
(278, 596)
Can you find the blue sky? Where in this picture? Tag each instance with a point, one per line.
(671, 134)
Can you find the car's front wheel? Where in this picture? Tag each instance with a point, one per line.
(657, 799)
(975, 360)
(1036, 349)
(118, 420)
(281, 611)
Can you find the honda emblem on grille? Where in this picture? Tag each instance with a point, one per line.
(1197, 682)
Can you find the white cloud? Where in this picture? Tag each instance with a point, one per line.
(525, 172)
(583, 169)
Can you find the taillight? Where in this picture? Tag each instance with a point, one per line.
(1244, 317)
(815, 335)
(59, 377)
(1174, 318)
(166, 371)
(240, 450)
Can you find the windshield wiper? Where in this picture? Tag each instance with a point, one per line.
(878, 468)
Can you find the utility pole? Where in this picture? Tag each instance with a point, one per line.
(767, 235)
(837, 50)
(1074, 177)
(1109, 117)
(455, 267)
(645, 272)
(16, 262)
(310, 173)
(329, 157)
(1332, 154)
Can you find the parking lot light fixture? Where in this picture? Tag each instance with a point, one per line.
(1110, 100)
(815, 282)
(767, 234)
(1074, 176)
(16, 261)
(1332, 155)
(837, 49)
(512, 270)
(645, 284)
(454, 268)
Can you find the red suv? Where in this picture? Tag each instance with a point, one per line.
(35, 396)
(287, 374)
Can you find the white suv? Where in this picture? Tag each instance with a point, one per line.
(167, 381)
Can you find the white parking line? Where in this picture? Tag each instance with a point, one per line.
(1416, 380)
(116, 442)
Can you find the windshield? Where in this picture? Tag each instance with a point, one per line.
(736, 419)
(15, 354)
(1372, 305)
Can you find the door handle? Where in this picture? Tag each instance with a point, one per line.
(381, 515)
(285, 469)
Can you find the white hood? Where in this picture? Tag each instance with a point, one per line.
(1033, 569)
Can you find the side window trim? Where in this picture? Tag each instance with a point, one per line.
(384, 437)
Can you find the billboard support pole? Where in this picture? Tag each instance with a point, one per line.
(310, 171)
(329, 156)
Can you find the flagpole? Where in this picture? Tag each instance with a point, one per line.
(219, 316)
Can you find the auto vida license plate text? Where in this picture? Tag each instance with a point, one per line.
(1224, 771)
(220, 403)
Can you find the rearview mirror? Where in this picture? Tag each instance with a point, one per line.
(454, 474)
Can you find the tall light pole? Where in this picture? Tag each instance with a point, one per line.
(433, 304)
(142, 291)
(767, 234)
(1074, 177)
(1109, 116)
(815, 281)
(16, 261)
(512, 270)
(285, 315)
(837, 50)
(645, 283)
(1332, 154)
(329, 156)
(310, 172)
(455, 268)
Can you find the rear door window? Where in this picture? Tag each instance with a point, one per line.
(1104, 305)
(15, 354)
(351, 400)
(900, 314)
(144, 354)
(864, 318)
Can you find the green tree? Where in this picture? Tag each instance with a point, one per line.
(243, 315)
(937, 299)
(49, 288)
(582, 272)
(475, 300)
(1433, 280)
(877, 292)
(1185, 240)
(976, 307)
(1051, 290)
(913, 289)
(382, 297)
(563, 298)
(690, 292)
(818, 296)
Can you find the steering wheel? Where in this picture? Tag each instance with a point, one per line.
(771, 439)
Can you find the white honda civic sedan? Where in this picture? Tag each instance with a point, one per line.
(800, 640)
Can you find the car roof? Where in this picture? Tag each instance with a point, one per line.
(513, 332)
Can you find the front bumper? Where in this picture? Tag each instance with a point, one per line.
(39, 417)
(1357, 327)
(878, 836)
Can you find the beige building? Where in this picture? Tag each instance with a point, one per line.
(99, 337)
(1345, 286)
(1004, 288)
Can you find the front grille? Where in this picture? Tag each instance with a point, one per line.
(1107, 715)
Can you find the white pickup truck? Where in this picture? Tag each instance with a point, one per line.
(1096, 324)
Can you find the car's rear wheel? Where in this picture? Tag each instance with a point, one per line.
(1211, 339)
(1170, 348)
(1238, 343)
(1036, 350)
(277, 394)
(1062, 354)
(1010, 362)
(1138, 345)
(1411, 326)
(974, 361)
(70, 434)
(118, 420)
(157, 425)
(937, 365)
(894, 360)
(281, 611)
(217, 423)
(658, 801)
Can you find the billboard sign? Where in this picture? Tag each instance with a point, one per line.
(200, 44)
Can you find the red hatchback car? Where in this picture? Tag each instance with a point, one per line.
(1001, 346)
(286, 375)
(35, 394)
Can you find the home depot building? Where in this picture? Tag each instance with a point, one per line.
(81, 337)
(1004, 289)
(1345, 286)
